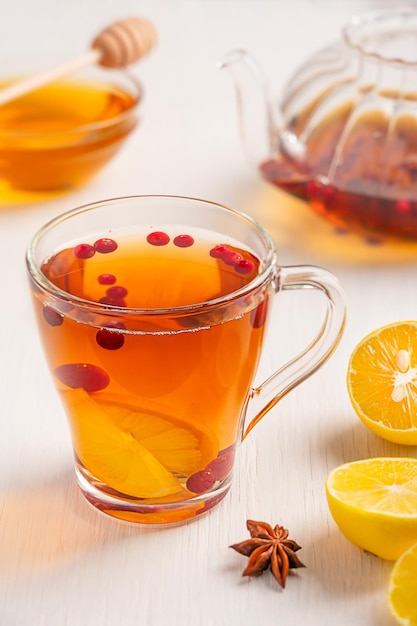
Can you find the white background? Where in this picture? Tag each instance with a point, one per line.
(63, 564)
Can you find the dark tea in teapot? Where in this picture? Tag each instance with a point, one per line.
(365, 181)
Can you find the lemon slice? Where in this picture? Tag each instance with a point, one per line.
(382, 382)
(135, 450)
(374, 503)
(402, 588)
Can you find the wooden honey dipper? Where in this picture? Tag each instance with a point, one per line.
(118, 45)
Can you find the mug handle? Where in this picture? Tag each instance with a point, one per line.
(268, 393)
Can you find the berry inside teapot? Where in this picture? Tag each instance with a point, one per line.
(344, 136)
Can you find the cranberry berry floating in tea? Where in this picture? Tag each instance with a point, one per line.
(217, 469)
(83, 376)
(106, 279)
(183, 241)
(234, 258)
(108, 338)
(52, 317)
(157, 238)
(105, 245)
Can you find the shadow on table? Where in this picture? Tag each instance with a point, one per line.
(298, 231)
(342, 569)
(47, 525)
(355, 442)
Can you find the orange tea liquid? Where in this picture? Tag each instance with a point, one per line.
(154, 400)
(56, 137)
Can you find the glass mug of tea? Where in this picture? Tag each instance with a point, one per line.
(152, 312)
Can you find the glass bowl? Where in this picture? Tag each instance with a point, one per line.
(58, 137)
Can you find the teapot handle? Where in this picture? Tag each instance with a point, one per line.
(262, 127)
(262, 398)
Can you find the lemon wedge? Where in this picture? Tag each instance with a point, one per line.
(132, 449)
(402, 588)
(374, 503)
(382, 382)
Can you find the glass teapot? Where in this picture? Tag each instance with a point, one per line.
(344, 136)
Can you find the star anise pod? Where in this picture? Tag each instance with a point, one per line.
(269, 547)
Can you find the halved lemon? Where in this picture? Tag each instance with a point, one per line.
(132, 449)
(402, 588)
(382, 382)
(374, 503)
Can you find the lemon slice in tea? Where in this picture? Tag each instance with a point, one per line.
(135, 450)
(402, 588)
(374, 503)
(382, 382)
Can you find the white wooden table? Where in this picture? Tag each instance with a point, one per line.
(63, 564)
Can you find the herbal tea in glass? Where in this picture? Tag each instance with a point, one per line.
(152, 313)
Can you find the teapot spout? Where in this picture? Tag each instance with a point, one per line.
(260, 122)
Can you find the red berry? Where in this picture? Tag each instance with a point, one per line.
(52, 317)
(106, 279)
(328, 193)
(82, 376)
(229, 256)
(157, 238)
(258, 315)
(116, 292)
(403, 206)
(109, 339)
(245, 266)
(200, 482)
(313, 188)
(183, 241)
(84, 251)
(223, 464)
(219, 251)
(232, 258)
(120, 302)
(105, 245)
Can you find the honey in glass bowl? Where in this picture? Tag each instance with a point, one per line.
(58, 137)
